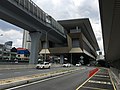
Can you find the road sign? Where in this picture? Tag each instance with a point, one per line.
(81, 57)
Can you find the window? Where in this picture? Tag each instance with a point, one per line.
(75, 42)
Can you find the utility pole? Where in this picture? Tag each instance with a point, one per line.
(46, 40)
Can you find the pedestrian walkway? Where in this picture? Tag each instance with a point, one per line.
(99, 81)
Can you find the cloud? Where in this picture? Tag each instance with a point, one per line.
(71, 9)
(11, 35)
(60, 10)
(98, 34)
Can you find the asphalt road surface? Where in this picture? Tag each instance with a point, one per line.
(64, 82)
(22, 72)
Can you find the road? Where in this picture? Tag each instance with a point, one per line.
(64, 82)
(22, 72)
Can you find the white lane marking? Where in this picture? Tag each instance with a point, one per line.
(99, 82)
(93, 88)
(37, 82)
(81, 85)
(102, 76)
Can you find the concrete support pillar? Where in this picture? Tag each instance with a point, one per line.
(35, 45)
(61, 59)
(46, 44)
(71, 58)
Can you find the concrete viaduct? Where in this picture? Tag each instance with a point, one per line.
(27, 15)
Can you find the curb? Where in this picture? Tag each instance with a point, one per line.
(115, 80)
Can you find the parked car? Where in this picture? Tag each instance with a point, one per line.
(78, 64)
(67, 65)
(43, 65)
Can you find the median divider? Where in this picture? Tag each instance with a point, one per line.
(92, 72)
(16, 81)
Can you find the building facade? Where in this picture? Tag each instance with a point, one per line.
(80, 46)
(5, 52)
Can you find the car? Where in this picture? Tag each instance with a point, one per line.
(43, 65)
(67, 65)
(78, 64)
(88, 65)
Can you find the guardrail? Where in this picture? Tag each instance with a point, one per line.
(31, 7)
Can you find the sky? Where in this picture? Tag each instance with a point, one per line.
(59, 10)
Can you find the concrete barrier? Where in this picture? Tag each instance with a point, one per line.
(33, 79)
(8, 67)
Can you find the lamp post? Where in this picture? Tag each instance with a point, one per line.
(46, 39)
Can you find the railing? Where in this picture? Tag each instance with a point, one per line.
(31, 7)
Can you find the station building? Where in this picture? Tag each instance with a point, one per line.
(80, 45)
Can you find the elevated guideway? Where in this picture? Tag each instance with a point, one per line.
(27, 15)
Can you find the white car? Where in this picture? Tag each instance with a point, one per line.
(67, 65)
(78, 64)
(43, 65)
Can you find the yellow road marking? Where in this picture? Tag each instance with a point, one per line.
(86, 81)
(112, 81)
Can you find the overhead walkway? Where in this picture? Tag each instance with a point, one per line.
(27, 15)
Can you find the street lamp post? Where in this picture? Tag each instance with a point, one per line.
(46, 39)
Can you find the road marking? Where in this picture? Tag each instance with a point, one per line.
(87, 80)
(112, 81)
(94, 88)
(99, 82)
(37, 82)
(102, 76)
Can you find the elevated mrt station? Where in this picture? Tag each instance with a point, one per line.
(80, 45)
(71, 39)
